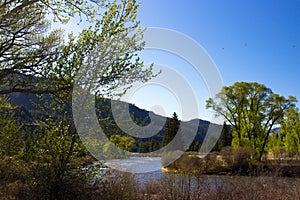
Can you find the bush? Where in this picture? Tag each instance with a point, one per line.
(239, 160)
(178, 187)
(118, 186)
(15, 182)
(186, 164)
(26, 180)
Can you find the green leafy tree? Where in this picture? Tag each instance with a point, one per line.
(27, 50)
(11, 143)
(291, 130)
(252, 110)
(123, 141)
(275, 143)
(35, 60)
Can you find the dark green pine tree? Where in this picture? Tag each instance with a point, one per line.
(144, 147)
(154, 145)
(195, 146)
(171, 129)
(225, 138)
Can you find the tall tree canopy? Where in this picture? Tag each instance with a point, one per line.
(291, 130)
(252, 110)
(36, 60)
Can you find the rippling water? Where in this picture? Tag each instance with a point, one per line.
(136, 164)
(152, 165)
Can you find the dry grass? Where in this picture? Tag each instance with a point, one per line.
(208, 187)
(17, 184)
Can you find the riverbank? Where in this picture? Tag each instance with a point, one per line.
(238, 163)
(261, 170)
(170, 186)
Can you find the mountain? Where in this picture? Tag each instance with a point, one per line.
(103, 111)
(24, 100)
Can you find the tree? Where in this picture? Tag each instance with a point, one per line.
(26, 50)
(252, 110)
(125, 142)
(291, 130)
(10, 131)
(34, 60)
(108, 45)
(171, 129)
(225, 138)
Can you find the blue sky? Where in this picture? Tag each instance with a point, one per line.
(248, 40)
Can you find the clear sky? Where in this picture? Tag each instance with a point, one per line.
(249, 40)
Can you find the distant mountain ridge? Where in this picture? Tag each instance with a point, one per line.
(140, 116)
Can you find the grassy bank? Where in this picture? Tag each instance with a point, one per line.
(21, 180)
(235, 162)
(197, 187)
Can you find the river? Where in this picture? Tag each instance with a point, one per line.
(136, 164)
(146, 169)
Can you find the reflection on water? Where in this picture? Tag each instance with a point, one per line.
(136, 164)
(152, 165)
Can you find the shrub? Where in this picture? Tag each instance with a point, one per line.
(15, 182)
(239, 160)
(118, 186)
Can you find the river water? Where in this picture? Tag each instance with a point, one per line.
(146, 169)
(136, 164)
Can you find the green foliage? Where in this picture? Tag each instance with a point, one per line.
(15, 179)
(171, 129)
(55, 151)
(10, 131)
(252, 110)
(26, 48)
(195, 146)
(125, 142)
(225, 138)
(149, 146)
(34, 60)
(291, 130)
(240, 160)
(274, 143)
(37, 163)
